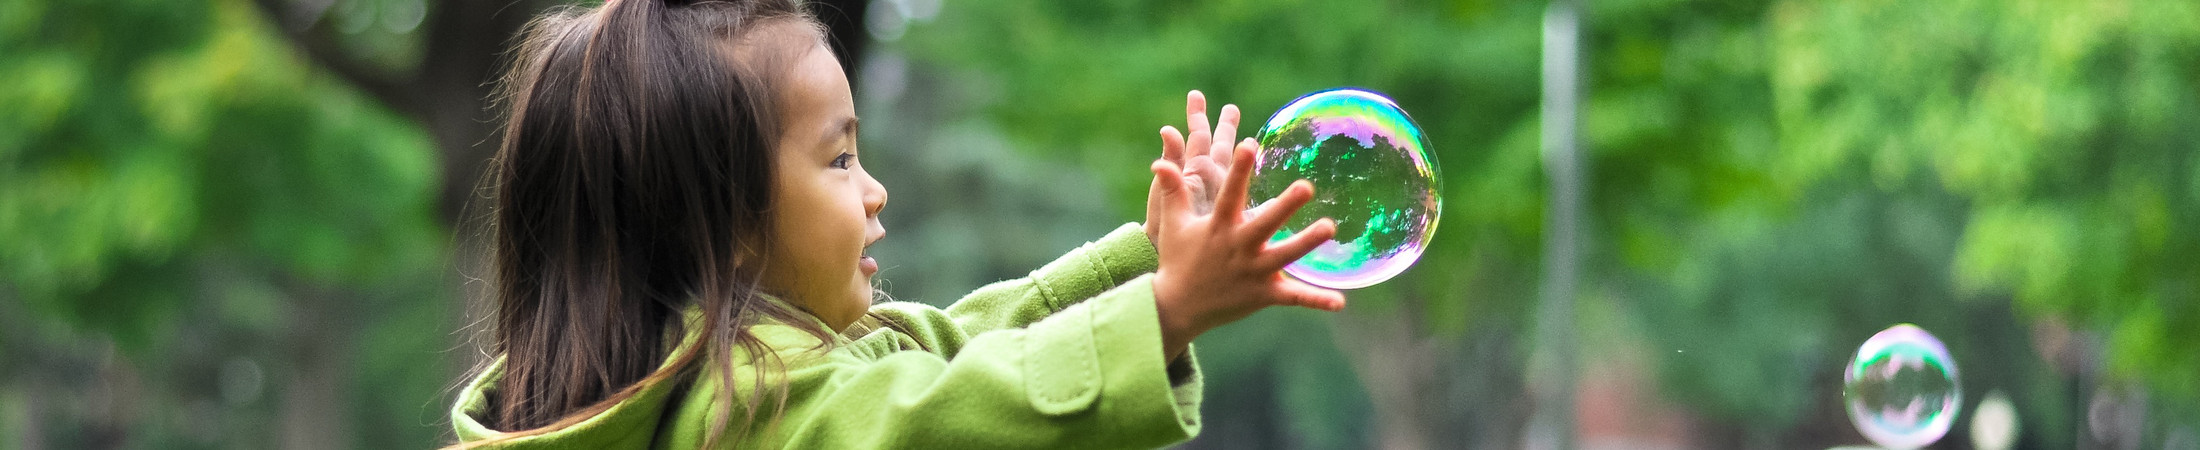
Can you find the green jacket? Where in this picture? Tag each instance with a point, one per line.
(1069, 357)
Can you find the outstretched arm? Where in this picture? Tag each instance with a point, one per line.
(1084, 272)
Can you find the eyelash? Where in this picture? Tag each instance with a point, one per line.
(841, 162)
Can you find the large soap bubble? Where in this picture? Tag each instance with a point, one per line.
(1372, 174)
(1902, 389)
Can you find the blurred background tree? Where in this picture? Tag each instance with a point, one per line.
(206, 242)
(233, 224)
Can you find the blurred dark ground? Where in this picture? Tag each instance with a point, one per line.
(245, 223)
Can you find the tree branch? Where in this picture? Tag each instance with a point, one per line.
(322, 49)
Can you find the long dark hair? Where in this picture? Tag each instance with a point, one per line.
(632, 184)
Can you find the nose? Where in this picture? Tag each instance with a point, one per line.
(874, 196)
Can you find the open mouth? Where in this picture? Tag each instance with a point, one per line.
(865, 262)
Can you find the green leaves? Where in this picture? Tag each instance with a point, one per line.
(222, 144)
(176, 184)
(2063, 124)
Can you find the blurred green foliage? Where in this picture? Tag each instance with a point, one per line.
(1772, 181)
(194, 223)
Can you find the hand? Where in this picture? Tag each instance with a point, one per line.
(1219, 267)
(1205, 157)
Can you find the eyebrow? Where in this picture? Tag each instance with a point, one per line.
(846, 127)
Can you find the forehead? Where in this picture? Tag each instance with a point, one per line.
(816, 100)
(776, 41)
(808, 88)
(815, 73)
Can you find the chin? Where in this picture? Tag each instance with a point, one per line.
(865, 295)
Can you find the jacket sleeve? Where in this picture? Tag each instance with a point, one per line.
(1084, 272)
(1089, 376)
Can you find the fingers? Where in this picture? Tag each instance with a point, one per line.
(1292, 248)
(1261, 209)
(1169, 182)
(1225, 132)
(1157, 211)
(1270, 216)
(1298, 293)
(1195, 116)
(1230, 203)
(1172, 145)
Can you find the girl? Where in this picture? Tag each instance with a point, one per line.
(681, 220)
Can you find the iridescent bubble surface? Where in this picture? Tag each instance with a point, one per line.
(1901, 388)
(1372, 173)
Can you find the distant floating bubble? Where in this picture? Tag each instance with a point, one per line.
(1902, 390)
(1372, 173)
(1994, 423)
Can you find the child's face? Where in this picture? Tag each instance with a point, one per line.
(825, 206)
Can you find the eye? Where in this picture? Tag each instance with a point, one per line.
(841, 162)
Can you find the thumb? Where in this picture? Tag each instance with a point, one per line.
(1168, 183)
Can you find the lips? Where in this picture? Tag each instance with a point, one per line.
(865, 263)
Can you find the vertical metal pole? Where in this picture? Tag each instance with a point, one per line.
(1553, 424)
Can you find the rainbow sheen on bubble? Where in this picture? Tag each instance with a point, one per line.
(1372, 173)
(1901, 388)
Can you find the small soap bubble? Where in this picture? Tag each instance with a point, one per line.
(1372, 173)
(1994, 423)
(1901, 389)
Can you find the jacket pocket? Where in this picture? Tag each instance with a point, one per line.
(1061, 363)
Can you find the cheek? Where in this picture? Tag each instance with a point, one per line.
(819, 232)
